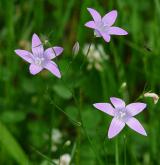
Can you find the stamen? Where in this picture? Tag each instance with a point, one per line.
(39, 61)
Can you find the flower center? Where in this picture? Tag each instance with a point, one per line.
(121, 114)
(100, 26)
(39, 61)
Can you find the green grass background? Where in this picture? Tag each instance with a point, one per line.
(31, 106)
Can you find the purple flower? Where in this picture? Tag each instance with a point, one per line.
(103, 25)
(122, 115)
(40, 59)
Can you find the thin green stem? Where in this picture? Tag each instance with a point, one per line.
(125, 150)
(104, 87)
(42, 155)
(117, 152)
(79, 105)
(89, 47)
(84, 129)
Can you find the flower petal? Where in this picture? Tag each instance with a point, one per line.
(105, 107)
(115, 127)
(26, 55)
(134, 124)
(117, 31)
(135, 108)
(96, 16)
(53, 68)
(51, 53)
(37, 47)
(118, 103)
(34, 69)
(90, 24)
(106, 37)
(110, 18)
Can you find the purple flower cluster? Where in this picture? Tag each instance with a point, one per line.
(40, 59)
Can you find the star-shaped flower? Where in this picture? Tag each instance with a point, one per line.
(41, 59)
(122, 115)
(103, 25)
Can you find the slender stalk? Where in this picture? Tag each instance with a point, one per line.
(79, 105)
(104, 87)
(42, 155)
(84, 129)
(89, 47)
(117, 152)
(125, 150)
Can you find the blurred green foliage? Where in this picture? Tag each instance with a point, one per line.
(32, 106)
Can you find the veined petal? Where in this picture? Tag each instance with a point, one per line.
(37, 47)
(26, 55)
(51, 53)
(34, 69)
(135, 108)
(95, 15)
(115, 127)
(110, 18)
(105, 107)
(106, 37)
(134, 124)
(117, 102)
(90, 24)
(117, 31)
(53, 68)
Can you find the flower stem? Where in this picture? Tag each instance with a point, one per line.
(125, 149)
(79, 105)
(117, 152)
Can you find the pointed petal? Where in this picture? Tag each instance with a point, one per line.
(116, 31)
(26, 55)
(37, 47)
(96, 16)
(105, 107)
(110, 18)
(134, 124)
(135, 108)
(106, 37)
(118, 103)
(115, 127)
(90, 24)
(51, 53)
(53, 68)
(34, 69)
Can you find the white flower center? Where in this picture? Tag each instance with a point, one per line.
(39, 61)
(121, 114)
(100, 26)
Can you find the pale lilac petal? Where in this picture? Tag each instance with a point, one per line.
(116, 31)
(106, 37)
(96, 16)
(37, 47)
(134, 124)
(115, 127)
(51, 53)
(26, 55)
(118, 103)
(105, 107)
(90, 24)
(110, 18)
(34, 69)
(53, 68)
(135, 108)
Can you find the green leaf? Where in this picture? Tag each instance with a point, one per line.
(12, 146)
